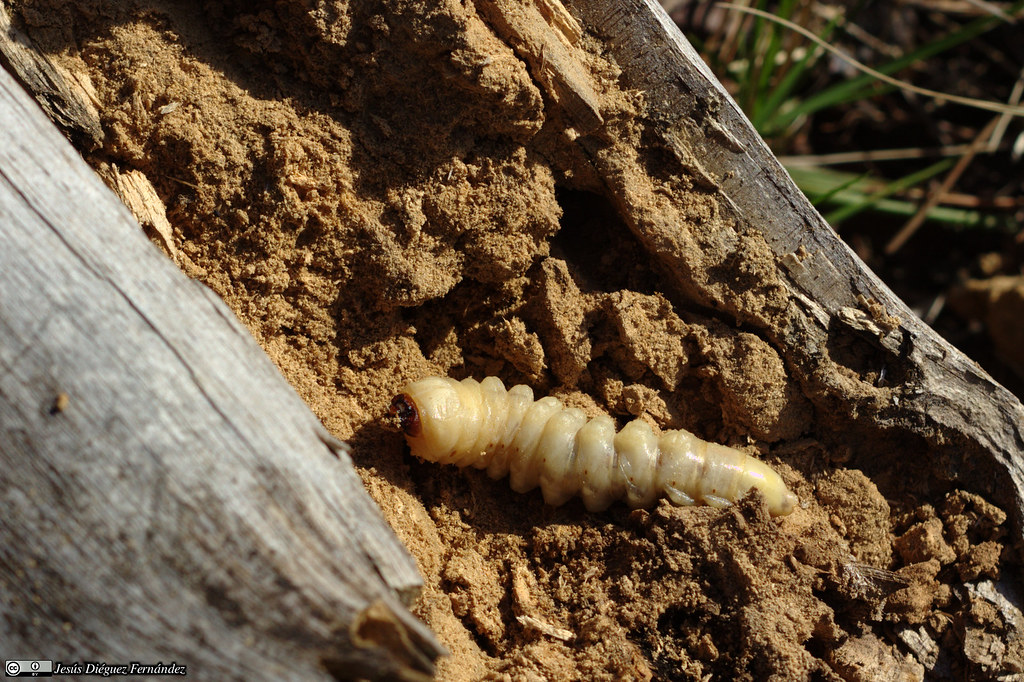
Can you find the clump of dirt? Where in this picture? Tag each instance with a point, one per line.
(381, 192)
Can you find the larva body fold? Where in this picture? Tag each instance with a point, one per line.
(480, 424)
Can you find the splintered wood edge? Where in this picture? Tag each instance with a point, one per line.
(69, 103)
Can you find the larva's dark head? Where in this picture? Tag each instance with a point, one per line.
(404, 407)
(432, 415)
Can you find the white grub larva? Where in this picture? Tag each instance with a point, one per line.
(480, 424)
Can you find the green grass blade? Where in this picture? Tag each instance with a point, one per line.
(866, 85)
(787, 85)
(857, 193)
(828, 195)
(906, 182)
(769, 68)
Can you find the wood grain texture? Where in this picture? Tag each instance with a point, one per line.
(165, 494)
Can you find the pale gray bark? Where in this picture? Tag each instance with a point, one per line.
(165, 495)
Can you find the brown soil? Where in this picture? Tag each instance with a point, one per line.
(381, 192)
(998, 302)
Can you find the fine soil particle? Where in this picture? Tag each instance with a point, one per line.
(381, 192)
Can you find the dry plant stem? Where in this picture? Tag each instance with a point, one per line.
(838, 158)
(166, 495)
(962, 7)
(870, 40)
(1004, 120)
(895, 82)
(934, 197)
(990, 8)
(815, 295)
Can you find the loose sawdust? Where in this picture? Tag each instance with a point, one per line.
(380, 192)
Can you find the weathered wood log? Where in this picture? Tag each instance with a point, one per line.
(165, 495)
(771, 263)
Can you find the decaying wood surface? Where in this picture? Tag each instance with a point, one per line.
(829, 315)
(141, 198)
(68, 102)
(166, 496)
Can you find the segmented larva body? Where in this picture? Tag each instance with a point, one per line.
(480, 424)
